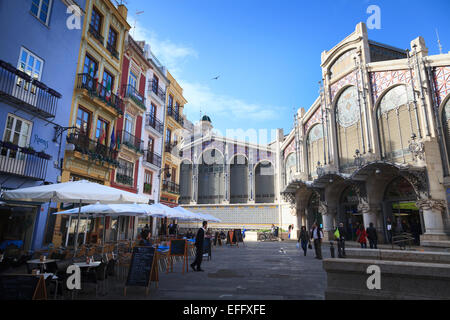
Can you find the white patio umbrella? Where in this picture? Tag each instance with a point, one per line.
(76, 192)
(189, 215)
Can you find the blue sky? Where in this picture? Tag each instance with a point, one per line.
(267, 52)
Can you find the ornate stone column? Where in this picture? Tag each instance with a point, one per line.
(194, 189)
(432, 216)
(327, 217)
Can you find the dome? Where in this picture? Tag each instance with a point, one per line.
(206, 118)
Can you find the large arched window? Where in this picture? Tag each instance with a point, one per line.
(397, 122)
(446, 125)
(264, 183)
(348, 126)
(211, 184)
(185, 182)
(239, 179)
(316, 144)
(290, 167)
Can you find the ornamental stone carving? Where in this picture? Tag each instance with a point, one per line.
(323, 208)
(431, 204)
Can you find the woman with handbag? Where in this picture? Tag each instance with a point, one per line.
(361, 236)
(304, 239)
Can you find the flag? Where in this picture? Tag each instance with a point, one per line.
(102, 137)
(108, 90)
(337, 234)
(112, 146)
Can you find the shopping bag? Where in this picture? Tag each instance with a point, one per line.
(337, 234)
(298, 245)
(310, 246)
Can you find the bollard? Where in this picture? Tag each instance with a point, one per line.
(332, 249)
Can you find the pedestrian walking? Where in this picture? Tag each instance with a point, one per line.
(341, 234)
(290, 229)
(372, 236)
(389, 229)
(304, 239)
(199, 239)
(317, 236)
(361, 236)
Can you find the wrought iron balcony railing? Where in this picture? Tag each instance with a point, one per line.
(151, 121)
(128, 91)
(178, 118)
(152, 158)
(126, 179)
(96, 34)
(95, 88)
(130, 141)
(23, 161)
(156, 89)
(171, 187)
(94, 149)
(26, 93)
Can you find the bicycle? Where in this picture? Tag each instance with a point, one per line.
(267, 236)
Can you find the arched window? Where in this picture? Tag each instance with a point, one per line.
(185, 182)
(348, 126)
(211, 184)
(239, 179)
(264, 183)
(316, 146)
(397, 121)
(290, 167)
(446, 125)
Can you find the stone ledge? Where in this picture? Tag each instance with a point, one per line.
(347, 279)
(436, 243)
(399, 255)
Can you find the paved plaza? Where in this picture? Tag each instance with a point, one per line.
(258, 271)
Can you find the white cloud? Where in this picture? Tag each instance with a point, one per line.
(200, 96)
(171, 55)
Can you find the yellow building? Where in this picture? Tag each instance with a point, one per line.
(173, 126)
(91, 152)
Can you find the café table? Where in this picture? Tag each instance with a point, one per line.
(87, 265)
(42, 263)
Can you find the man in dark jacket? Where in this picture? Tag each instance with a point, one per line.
(341, 240)
(199, 239)
(372, 236)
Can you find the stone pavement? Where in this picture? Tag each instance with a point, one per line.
(258, 271)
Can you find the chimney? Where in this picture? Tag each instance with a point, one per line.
(123, 11)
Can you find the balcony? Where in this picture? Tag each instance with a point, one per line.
(113, 51)
(157, 90)
(151, 121)
(96, 34)
(93, 149)
(152, 158)
(130, 141)
(128, 91)
(30, 95)
(124, 179)
(175, 115)
(171, 187)
(23, 162)
(96, 89)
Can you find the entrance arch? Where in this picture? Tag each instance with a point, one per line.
(313, 210)
(400, 207)
(211, 182)
(349, 214)
(239, 179)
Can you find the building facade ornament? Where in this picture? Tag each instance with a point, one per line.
(431, 204)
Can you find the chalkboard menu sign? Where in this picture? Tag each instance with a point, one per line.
(177, 247)
(141, 267)
(22, 287)
(207, 247)
(231, 238)
(238, 234)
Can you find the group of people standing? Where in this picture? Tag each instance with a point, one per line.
(315, 235)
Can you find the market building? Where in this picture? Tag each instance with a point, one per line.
(97, 104)
(234, 180)
(375, 144)
(36, 85)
